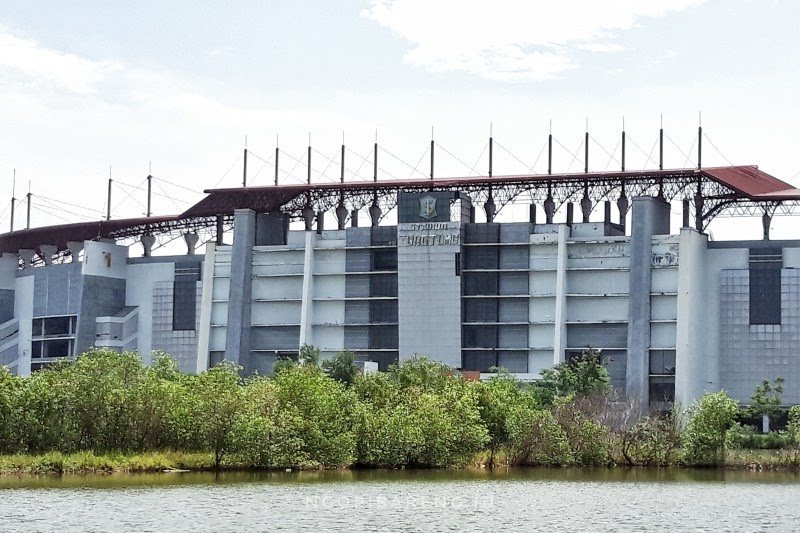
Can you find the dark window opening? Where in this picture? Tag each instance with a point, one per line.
(184, 302)
(662, 362)
(765, 286)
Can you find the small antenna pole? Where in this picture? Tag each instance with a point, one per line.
(586, 149)
(661, 144)
(341, 178)
(432, 152)
(491, 143)
(309, 159)
(699, 141)
(149, 193)
(277, 153)
(28, 217)
(550, 150)
(623, 144)
(244, 167)
(375, 158)
(13, 199)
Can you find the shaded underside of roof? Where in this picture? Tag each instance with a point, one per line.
(747, 183)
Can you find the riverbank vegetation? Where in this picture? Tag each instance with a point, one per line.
(107, 411)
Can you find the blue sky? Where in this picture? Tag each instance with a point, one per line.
(178, 85)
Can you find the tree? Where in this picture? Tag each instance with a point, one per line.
(766, 401)
(581, 376)
(709, 419)
(500, 398)
(208, 410)
(342, 367)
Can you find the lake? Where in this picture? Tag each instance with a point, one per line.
(450, 500)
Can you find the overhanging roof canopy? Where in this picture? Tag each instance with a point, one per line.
(724, 185)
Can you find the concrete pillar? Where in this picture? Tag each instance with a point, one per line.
(75, 248)
(490, 208)
(308, 217)
(341, 216)
(766, 220)
(27, 256)
(237, 340)
(375, 214)
(147, 244)
(320, 221)
(560, 314)
(532, 213)
(204, 326)
(307, 302)
(696, 366)
(549, 210)
(650, 217)
(191, 242)
(686, 213)
(354, 218)
(570, 213)
(607, 212)
(586, 208)
(622, 206)
(47, 251)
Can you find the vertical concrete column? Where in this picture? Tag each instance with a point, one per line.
(307, 303)
(23, 311)
(204, 328)
(560, 314)
(695, 367)
(650, 217)
(237, 340)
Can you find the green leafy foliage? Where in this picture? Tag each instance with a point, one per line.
(589, 441)
(710, 418)
(652, 441)
(766, 399)
(535, 438)
(582, 376)
(793, 428)
(342, 367)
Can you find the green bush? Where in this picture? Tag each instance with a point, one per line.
(582, 376)
(536, 438)
(793, 428)
(498, 399)
(652, 441)
(709, 420)
(589, 441)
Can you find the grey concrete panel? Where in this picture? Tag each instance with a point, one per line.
(101, 297)
(275, 338)
(513, 361)
(408, 206)
(271, 229)
(650, 216)
(513, 310)
(512, 336)
(237, 343)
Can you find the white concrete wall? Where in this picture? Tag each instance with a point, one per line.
(141, 280)
(104, 259)
(429, 292)
(23, 311)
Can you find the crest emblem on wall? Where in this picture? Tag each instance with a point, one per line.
(427, 207)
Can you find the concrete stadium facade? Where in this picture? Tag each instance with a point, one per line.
(674, 315)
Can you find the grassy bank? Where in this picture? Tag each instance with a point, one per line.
(169, 461)
(105, 463)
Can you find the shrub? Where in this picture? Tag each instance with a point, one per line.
(652, 441)
(324, 413)
(342, 367)
(536, 438)
(589, 441)
(498, 399)
(581, 376)
(793, 429)
(710, 418)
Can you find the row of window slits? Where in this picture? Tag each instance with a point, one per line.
(485, 341)
(765, 285)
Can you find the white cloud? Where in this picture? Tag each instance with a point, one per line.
(511, 39)
(52, 67)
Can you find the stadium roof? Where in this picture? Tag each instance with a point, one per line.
(742, 183)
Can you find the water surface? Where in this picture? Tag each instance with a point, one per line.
(516, 500)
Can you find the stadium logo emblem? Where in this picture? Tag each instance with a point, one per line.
(427, 207)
